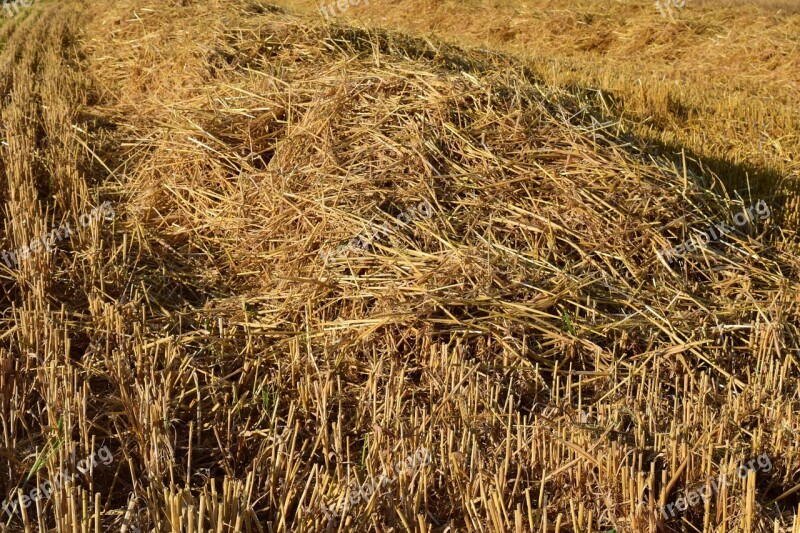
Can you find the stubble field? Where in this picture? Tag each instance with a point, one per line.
(424, 266)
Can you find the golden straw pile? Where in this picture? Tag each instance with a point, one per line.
(526, 335)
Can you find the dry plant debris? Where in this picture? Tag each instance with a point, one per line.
(717, 80)
(526, 335)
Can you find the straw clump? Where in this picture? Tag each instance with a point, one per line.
(525, 334)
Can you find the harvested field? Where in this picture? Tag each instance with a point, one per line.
(716, 80)
(278, 259)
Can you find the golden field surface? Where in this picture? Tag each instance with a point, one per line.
(720, 80)
(405, 269)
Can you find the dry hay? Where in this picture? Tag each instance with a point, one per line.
(716, 78)
(240, 381)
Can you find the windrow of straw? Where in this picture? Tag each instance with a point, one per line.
(526, 334)
(715, 78)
